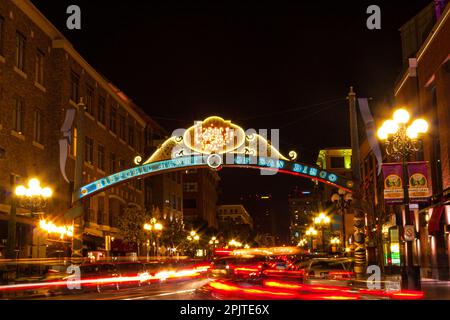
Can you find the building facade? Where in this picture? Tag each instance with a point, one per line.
(235, 222)
(304, 204)
(41, 77)
(200, 199)
(424, 89)
(339, 161)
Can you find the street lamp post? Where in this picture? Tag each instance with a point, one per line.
(153, 225)
(33, 198)
(311, 232)
(402, 141)
(193, 237)
(322, 221)
(342, 200)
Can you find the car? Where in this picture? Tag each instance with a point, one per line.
(136, 271)
(236, 267)
(92, 277)
(328, 269)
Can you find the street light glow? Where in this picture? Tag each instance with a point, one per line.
(401, 116)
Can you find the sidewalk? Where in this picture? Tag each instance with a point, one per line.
(436, 289)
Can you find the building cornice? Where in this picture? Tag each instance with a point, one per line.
(424, 47)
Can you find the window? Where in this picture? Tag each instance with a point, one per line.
(89, 99)
(101, 157)
(74, 87)
(122, 127)
(2, 23)
(38, 123)
(101, 109)
(18, 115)
(39, 67)
(112, 162)
(20, 51)
(337, 162)
(89, 150)
(131, 134)
(112, 119)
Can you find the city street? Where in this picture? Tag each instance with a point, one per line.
(218, 150)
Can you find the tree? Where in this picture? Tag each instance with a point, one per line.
(131, 224)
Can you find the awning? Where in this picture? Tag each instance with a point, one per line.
(434, 223)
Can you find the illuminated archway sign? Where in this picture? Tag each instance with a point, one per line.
(215, 143)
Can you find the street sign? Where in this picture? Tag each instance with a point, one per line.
(409, 233)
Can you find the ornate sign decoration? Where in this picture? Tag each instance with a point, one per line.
(214, 143)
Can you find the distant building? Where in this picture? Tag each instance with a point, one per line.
(235, 222)
(261, 208)
(303, 206)
(338, 161)
(200, 198)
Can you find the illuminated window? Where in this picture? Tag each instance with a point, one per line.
(20, 51)
(38, 123)
(73, 146)
(18, 115)
(39, 67)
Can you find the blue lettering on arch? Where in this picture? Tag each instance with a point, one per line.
(313, 172)
(323, 174)
(332, 177)
(280, 164)
(297, 167)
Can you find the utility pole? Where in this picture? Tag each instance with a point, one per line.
(77, 240)
(359, 216)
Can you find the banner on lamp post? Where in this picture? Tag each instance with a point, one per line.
(393, 183)
(419, 189)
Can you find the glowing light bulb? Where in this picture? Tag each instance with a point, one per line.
(401, 116)
(20, 191)
(390, 126)
(420, 125)
(382, 134)
(411, 132)
(34, 183)
(47, 192)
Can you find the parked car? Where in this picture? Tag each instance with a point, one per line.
(339, 269)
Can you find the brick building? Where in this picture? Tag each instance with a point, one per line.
(424, 90)
(41, 77)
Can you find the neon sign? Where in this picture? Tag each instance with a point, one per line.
(267, 163)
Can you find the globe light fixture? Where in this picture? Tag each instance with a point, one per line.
(401, 116)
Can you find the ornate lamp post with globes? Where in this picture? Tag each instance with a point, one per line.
(34, 198)
(402, 140)
(342, 200)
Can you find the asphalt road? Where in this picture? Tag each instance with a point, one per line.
(169, 291)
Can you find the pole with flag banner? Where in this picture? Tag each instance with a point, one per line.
(370, 130)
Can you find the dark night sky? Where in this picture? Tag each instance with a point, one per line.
(245, 60)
